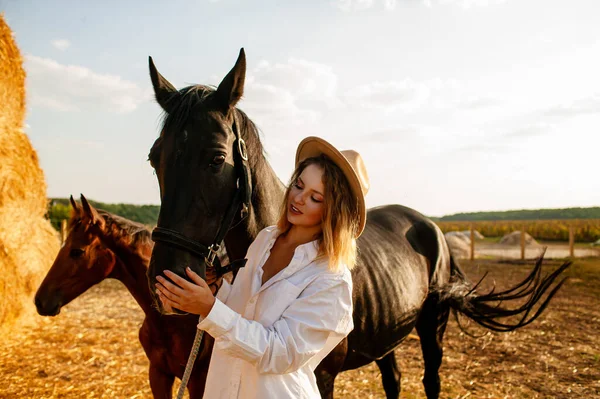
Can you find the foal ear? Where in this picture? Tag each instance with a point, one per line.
(166, 94)
(90, 211)
(74, 204)
(231, 88)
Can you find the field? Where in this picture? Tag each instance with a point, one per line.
(91, 349)
(584, 230)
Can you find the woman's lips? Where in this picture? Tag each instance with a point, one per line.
(295, 210)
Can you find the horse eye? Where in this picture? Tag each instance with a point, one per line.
(76, 252)
(218, 160)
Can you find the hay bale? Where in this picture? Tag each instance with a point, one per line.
(459, 245)
(476, 233)
(514, 238)
(22, 179)
(28, 243)
(12, 80)
(459, 236)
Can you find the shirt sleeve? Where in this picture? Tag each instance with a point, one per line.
(323, 312)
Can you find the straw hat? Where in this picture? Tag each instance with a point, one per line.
(351, 164)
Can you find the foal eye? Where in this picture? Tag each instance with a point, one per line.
(76, 252)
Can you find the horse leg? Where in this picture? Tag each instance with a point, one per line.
(196, 385)
(329, 368)
(431, 325)
(390, 375)
(161, 383)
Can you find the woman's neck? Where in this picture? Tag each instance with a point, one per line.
(298, 235)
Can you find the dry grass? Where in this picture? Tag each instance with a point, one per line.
(28, 243)
(91, 350)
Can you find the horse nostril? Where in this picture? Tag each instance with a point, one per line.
(47, 308)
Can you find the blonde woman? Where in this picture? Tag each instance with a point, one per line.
(292, 303)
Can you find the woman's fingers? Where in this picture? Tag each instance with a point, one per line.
(166, 302)
(181, 282)
(166, 292)
(169, 286)
(195, 278)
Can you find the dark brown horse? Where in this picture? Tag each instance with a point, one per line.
(101, 245)
(405, 277)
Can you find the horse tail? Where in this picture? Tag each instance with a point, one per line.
(487, 310)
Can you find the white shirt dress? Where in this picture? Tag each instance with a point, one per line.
(269, 338)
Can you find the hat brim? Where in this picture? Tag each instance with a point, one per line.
(315, 146)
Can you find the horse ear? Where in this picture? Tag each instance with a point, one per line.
(74, 204)
(166, 94)
(231, 88)
(90, 211)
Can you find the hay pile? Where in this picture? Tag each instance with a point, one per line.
(459, 244)
(476, 233)
(514, 238)
(28, 244)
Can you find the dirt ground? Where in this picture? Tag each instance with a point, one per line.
(554, 250)
(91, 349)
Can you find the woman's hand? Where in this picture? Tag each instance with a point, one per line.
(183, 295)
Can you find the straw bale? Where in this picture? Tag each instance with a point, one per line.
(459, 245)
(514, 238)
(459, 236)
(28, 244)
(476, 233)
(12, 80)
(22, 179)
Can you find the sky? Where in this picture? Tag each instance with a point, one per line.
(455, 105)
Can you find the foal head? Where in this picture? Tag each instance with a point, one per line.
(82, 261)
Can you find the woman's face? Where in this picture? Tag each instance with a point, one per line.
(306, 198)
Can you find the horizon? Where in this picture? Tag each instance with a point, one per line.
(457, 106)
(66, 199)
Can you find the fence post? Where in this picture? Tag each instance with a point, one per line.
(472, 241)
(571, 241)
(523, 242)
(63, 231)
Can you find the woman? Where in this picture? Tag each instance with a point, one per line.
(292, 302)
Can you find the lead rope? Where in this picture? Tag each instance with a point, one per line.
(190, 363)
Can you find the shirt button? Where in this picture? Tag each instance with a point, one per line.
(252, 300)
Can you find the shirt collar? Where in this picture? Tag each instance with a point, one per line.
(309, 251)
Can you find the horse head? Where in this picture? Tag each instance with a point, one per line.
(83, 261)
(201, 163)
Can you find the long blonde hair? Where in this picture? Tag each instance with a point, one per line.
(340, 214)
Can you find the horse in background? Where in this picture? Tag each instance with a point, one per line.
(405, 276)
(100, 245)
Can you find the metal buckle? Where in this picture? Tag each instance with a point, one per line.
(212, 254)
(242, 149)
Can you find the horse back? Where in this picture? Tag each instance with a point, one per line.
(402, 255)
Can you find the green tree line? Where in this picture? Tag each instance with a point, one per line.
(526, 214)
(60, 208)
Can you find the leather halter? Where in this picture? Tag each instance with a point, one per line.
(241, 199)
